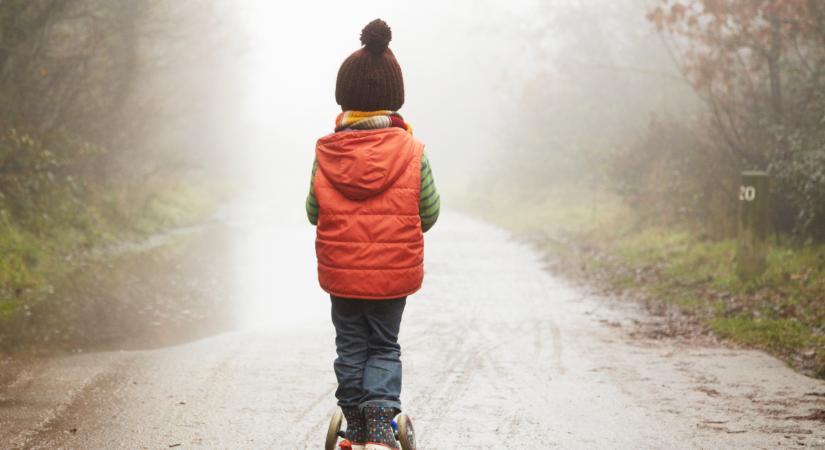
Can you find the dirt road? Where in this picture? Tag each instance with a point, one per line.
(497, 354)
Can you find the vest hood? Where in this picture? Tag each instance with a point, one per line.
(363, 164)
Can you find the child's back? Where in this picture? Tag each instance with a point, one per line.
(370, 243)
(372, 196)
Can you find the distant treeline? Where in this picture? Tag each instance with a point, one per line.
(105, 108)
(97, 98)
(666, 102)
(67, 69)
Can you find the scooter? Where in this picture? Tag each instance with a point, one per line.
(402, 426)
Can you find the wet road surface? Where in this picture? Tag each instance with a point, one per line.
(497, 354)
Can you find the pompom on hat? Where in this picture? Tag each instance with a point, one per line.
(370, 79)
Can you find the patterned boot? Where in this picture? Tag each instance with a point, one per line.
(356, 428)
(380, 435)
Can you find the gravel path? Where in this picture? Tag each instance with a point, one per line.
(497, 353)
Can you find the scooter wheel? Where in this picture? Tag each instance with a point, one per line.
(334, 429)
(406, 432)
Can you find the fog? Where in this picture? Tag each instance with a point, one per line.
(458, 62)
(472, 71)
(554, 118)
(631, 232)
(158, 117)
(462, 62)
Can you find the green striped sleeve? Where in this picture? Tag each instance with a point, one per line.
(312, 202)
(429, 205)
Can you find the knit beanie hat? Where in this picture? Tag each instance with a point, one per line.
(370, 79)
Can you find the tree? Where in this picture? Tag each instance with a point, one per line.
(98, 98)
(760, 67)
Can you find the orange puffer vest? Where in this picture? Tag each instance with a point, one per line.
(369, 241)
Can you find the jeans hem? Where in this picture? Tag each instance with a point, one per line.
(355, 404)
(382, 403)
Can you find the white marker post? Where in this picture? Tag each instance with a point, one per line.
(752, 245)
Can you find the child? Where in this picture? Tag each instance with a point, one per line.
(372, 196)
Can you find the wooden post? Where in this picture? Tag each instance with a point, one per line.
(752, 245)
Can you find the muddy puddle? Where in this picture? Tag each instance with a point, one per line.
(165, 290)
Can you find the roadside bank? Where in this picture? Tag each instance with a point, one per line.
(678, 274)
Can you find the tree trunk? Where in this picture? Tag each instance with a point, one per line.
(774, 56)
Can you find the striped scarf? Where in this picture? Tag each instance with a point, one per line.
(370, 120)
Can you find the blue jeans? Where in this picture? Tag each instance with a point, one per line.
(368, 366)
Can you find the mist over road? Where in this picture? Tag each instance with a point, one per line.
(496, 351)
